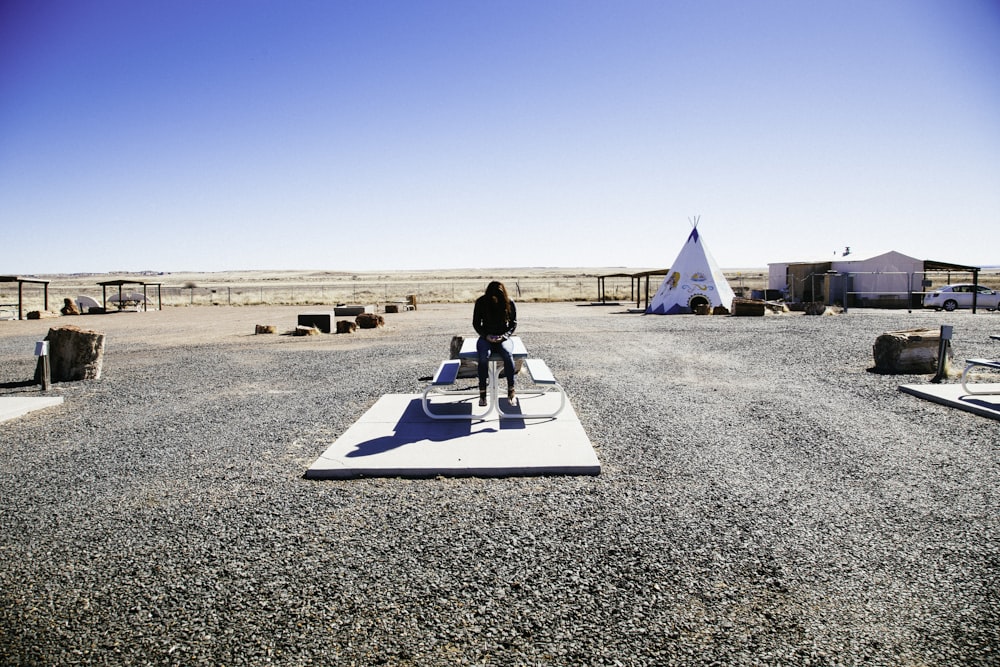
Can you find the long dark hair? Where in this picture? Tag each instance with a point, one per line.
(498, 295)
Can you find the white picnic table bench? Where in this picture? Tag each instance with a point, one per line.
(447, 375)
(980, 363)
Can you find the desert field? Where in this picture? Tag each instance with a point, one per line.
(244, 288)
(253, 288)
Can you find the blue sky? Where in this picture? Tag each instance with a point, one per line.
(215, 135)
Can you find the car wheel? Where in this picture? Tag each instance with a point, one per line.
(950, 305)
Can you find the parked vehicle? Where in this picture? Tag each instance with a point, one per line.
(960, 295)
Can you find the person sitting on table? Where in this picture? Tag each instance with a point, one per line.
(495, 318)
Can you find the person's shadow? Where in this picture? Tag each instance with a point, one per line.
(414, 426)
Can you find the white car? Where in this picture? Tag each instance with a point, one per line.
(951, 297)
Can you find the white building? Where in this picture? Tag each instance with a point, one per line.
(889, 280)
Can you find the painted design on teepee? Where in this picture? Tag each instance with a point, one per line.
(694, 279)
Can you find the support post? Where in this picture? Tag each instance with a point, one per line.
(943, 345)
(42, 352)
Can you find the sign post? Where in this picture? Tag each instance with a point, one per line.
(42, 352)
(943, 345)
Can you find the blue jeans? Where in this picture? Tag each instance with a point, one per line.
(485, 350)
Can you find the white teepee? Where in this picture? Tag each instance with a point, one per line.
(694, 279)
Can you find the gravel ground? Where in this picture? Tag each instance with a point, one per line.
(764, 500)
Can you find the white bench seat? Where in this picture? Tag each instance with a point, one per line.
(539, 371)
(540, 374)
(973, 363)
(447, 372)
(445, 376)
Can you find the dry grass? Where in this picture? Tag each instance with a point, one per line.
(242, 288)
(332, 287)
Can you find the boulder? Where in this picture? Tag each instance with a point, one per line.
(748, 308)
(468, 368)
(41, 314)
(69, 307)
(74, 354)
(815, 308)
(369, 320)
(913, 351)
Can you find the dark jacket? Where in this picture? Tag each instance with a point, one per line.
(490, 320)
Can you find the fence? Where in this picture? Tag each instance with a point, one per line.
(877, 289)
(881, 290)
(353, 292)
(372, 292)
(583, 288)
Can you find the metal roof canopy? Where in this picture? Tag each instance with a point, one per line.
(633, 277)
(933, 265)
(121, 282)
(20, 289)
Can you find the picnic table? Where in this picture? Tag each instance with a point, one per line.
(447, 374)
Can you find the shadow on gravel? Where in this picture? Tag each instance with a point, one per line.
(18, 385)
(413, 427)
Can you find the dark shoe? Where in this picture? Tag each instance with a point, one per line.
(482, 399)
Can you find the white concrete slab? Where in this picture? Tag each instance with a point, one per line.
(17, 406)
(394, 438)
(952, 395)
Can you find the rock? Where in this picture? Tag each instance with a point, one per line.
(69, 308)
(41, 314)
(369, 320)
(469, 368)
(815, 308)
(265, 329)
(74, 354)
(748, 308)
(909, 352)
(346, 326)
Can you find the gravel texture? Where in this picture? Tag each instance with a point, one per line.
(764, 500)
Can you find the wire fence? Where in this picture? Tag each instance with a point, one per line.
(345, 292)
(875, 289)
